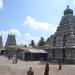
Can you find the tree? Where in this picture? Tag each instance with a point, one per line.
(32, 43)
(41, 42)
(47, 41)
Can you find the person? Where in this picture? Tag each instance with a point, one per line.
(13, 60)
(60, 66)
(46, 69)
(30, 72)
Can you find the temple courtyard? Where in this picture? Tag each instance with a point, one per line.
(21, 68)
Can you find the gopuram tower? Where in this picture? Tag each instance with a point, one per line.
(62, 43)
(1, 43)
(10, 41)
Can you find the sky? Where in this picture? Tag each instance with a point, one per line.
(31, 19)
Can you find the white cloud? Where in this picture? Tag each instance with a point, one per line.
(20, 38)
(32, 23)
(11, 31)
(52, 28)
(73, 1)
(29, 37)
(1, 4)
(14, 31)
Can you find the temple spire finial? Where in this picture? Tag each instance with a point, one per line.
(67, 6)
(68, 11)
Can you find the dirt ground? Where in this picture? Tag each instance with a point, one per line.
(21, 68)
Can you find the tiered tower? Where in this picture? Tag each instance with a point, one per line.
(10, 40)
(65, 29)
(62, 43)
(1, 43)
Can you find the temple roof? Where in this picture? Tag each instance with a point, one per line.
(68, 11)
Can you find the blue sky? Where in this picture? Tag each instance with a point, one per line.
(31, 19)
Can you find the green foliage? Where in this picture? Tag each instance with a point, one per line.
(41, 42)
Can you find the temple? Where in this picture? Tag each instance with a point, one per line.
(62, 43)
(10, 41)
(1, 42)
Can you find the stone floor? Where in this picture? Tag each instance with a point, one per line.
(21, 68)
